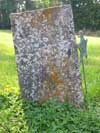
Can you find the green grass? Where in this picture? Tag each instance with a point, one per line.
(20, 116)
(8, 75)
(92, 66)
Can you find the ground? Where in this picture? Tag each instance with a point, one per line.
(20, 116)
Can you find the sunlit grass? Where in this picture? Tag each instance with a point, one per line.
(8, 74)
(92, 66)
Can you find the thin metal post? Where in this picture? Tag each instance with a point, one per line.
(84, 75)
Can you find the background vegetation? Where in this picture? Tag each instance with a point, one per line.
(86, 12)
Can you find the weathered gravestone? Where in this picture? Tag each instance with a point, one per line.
(46, 54)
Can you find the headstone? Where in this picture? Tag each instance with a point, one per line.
(46, 54)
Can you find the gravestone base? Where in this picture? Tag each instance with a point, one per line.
(46, 54)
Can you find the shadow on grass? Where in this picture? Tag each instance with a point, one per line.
(3, 100)
(5, 31)
(6, 57)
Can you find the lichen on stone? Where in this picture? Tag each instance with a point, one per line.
(46, 54)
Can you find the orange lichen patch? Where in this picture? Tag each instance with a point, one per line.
(55, 78)
(54, 84)
(57, 93)
(48, 14)
(40, 17)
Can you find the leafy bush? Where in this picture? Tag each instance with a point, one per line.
(21, 116)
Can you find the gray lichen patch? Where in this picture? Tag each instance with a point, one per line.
(46, 54)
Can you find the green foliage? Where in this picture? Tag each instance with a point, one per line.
(6, 7)
(35, 4)
(86, 14)
(21, 116)
(55, 117)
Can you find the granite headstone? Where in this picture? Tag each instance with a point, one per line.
(46, 54)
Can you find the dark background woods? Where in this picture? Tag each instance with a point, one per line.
(86, 12)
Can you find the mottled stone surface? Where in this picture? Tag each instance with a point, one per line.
(46, 54)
